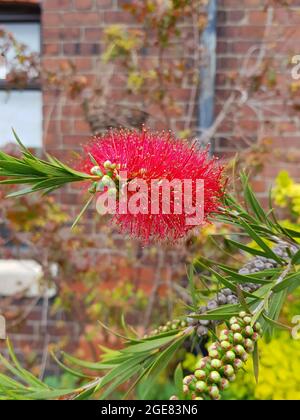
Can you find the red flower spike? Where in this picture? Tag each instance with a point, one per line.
(156, 156)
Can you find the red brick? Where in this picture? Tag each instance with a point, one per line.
(82, 127)
(83, 4)
(105, 4)
(52, 19)
(93, 34)
(81, 19)
(57, 4)
(52, 49)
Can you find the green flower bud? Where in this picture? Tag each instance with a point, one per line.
(188, 379)
(183, 324)
(201, 387)
(225, 332)
(202, 363)
(236, 328)
(224, 384)
(213, 346)
(229, 356)
(215, 377)
(223, 337)
(214, 354)
(244, 357)
(248, 343)
(225, 345)
(248, 331)
(239, 350)
(238, 338)
(233, 320)
(96, 171)
(232, 378)
(238, 364)
(214, 392)
(216, 364)
(93, 188)
(257, 327)
(200, 374)
(174, 398)
(228, 371)
(165, 329)
(248, 320)
(255, 337)
(107, 164)
(185, 389)
(242, 314)
(198, 399)
(107, 181)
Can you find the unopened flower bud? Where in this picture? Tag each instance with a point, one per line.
(236, 328)
(248, 331)
(248, 343)
(96, 171)
(188, 379)
(239, 350)
(224, 384)
(107, 164)
(174, 398)
(200, 374)
(214, 354)
(242, 314)
(185, 389)
(232, 378)
(107, 181)
(229, 356)
(214, 392)
(233, 320)
(201, 387)
(202, 363)
(238, 338)
(238, 364)
(215, 377)
(244, 357)
(248, 320)
(216, 364)
(93, 188)
(225, 345)
(228, 371)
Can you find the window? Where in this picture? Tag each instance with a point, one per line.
(20, 106)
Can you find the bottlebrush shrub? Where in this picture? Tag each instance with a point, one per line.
(248, 302)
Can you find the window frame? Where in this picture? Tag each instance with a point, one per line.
(20, 13)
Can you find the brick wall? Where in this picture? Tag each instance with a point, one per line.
(72, 29)
(271, 116)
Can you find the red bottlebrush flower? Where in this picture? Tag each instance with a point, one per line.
(156, 156)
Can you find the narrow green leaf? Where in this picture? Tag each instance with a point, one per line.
(82, 211)
(260, 242)
(296, 258)
(178, 379)
(247, 249)
(292, 281)
(276, 324)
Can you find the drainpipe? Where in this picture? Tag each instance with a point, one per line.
(208, 71)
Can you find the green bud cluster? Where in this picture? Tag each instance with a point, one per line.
(226, 357)
(107, 178)
(176, 324)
